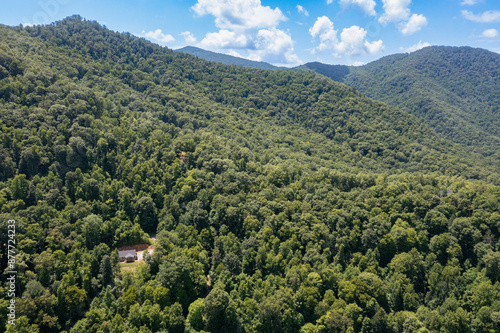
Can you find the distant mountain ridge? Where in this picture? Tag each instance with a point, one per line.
(454, 90)
(334, 72)
(226, 59)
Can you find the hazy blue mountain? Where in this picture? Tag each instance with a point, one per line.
(226, 59)
(334, 72)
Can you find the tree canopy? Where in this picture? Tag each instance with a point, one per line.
(281, 201)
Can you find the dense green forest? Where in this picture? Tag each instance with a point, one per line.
(454, 90)
(282, 201)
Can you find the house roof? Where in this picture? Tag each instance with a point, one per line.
(127, 253)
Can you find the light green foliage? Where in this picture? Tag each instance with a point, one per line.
(280, 201)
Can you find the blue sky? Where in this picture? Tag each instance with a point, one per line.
(284, 32)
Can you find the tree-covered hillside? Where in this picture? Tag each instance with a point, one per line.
(334, 72)
(454, 90)
(281, 201)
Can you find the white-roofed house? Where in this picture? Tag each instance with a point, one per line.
(128, 255)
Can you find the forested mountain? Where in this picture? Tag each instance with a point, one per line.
(454, 90)
(226, 59)
(282, 201)
(334, 72)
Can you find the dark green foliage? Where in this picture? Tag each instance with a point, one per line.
(220, 312)
(334, 72)
(281, 201)
(454, 90)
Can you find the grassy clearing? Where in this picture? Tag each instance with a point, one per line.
(129, 266)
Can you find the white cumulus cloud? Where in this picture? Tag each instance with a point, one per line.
(234, 54)
(224, 39)
(414, 24)
(250, 27)
(368, 6)
(357, 63)
(323, 28)
(189, 38)
(415, 47)
(158, 36)
(485, 17)
(239, 14)
(302, 10)
(352, 40)
(399, 13)
(374, 47)
(469, 2)
(274, 46)
(395, 11)
(490, 33)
